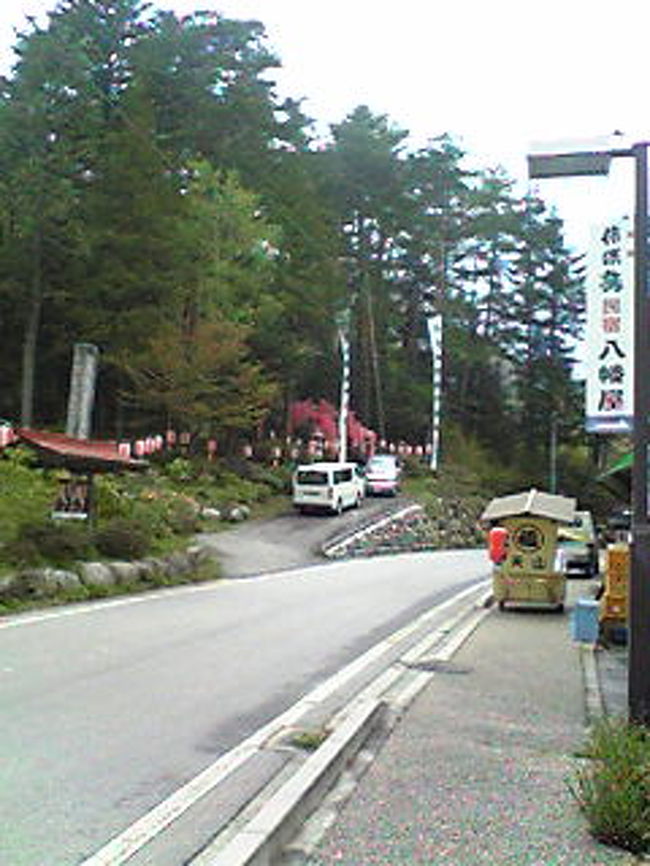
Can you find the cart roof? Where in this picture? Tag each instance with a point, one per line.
(534, 502)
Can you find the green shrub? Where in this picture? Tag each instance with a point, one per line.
(123, 539)
(183, 516)
(613, 788)
(274, 479)
(110, 499)
(51, 541)
(179, 469)
(416, 467)
(27, 493)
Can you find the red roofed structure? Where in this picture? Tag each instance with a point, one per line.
(78, 455)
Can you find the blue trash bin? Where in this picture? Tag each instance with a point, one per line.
(585, 625)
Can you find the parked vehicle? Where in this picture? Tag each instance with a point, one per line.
(578, 546)
(327, 486)
(382, 475)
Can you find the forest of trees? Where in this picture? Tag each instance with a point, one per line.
(160, 201)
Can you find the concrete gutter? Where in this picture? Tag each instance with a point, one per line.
(279, 821)
(266, 834)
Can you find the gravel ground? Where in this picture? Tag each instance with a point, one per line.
(477, 771)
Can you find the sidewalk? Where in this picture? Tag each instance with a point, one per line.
(476, 772)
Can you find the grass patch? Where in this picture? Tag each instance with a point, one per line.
(309, 740)
(612, 787)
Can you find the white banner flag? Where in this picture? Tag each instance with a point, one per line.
(434, 324)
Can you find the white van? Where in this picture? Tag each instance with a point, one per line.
(329, 486)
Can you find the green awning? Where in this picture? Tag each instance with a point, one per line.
(622, 464)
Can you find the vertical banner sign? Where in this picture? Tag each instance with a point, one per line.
(610, 328)
(345, 396)
(434, 324)
(82, 390)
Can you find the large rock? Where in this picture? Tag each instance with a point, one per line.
(177, 564)
(125, 573)
(211, 513)
(237, 513)
(8, 585)
(199, 554)
(43, 582)
(96, 574)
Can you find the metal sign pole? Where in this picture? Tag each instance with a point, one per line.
(639, 601)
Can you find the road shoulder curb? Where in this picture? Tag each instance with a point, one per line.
(594, 704)
(261, 840)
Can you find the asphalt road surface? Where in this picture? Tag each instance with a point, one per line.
(289, 541)
(106, 709)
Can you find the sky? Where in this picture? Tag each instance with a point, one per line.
(497, 75)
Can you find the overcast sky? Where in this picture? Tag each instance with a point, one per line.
(495, 74)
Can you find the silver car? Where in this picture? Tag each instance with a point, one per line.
(382, 475)
(578, 546)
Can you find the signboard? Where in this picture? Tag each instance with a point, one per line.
(73, 501)
(610, 327)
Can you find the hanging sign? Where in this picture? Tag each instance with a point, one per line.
(610, 328)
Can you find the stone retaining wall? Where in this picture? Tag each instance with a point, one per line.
(48, 582)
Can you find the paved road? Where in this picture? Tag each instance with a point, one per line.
(290, 540)
(107, 709)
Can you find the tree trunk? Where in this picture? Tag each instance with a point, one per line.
(30, 339)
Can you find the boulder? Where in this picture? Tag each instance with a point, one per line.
(96, 574)
(237, 514)
(209, 513)
(199, 554)
(43, 582)
(125, 573)
(8, 585)
(178, 563)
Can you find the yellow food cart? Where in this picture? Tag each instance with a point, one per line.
(522, 536)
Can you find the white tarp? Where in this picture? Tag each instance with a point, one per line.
(534, 502)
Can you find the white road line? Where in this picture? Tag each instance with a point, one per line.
(126, 844)
(98, 606)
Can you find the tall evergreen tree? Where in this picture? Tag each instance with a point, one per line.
(548, 302)
(42, 147)
(366, 185)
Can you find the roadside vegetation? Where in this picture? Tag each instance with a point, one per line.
(135, 516)
(612, 786)
(158, 512)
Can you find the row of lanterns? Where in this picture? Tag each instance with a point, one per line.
(7, 435)
(317, 446)
(149, 445)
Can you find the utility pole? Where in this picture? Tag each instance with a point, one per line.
(594, 159)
